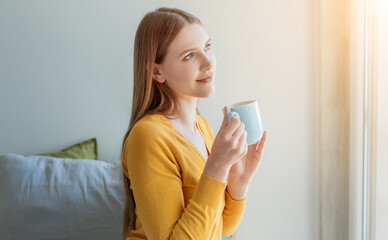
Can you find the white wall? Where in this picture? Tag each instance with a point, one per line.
(66, 72)
(266, 49)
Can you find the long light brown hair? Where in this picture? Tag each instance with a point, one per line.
(153, 36)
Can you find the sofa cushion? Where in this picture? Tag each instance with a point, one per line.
(55, 198)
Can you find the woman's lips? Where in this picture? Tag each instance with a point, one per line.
(206, 80)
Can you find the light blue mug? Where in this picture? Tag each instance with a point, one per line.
(248, 112)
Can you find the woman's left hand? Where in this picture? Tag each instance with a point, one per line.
(241, 173)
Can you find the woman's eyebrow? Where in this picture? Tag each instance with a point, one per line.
(191, 49)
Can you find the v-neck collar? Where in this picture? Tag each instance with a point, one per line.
(199, 127)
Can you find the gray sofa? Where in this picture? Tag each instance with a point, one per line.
(58, 198)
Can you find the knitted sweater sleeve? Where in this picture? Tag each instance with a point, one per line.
(232, 214)
(234, 209)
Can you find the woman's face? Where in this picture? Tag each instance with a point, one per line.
(189, 58)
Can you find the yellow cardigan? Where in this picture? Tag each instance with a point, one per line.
(174, 199)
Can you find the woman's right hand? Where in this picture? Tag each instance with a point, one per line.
(229, 146)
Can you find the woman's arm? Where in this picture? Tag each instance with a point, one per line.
(240, 175)
(157, 187)
(236, 192)
(232, 214)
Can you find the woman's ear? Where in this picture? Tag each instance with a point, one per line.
(156, 74)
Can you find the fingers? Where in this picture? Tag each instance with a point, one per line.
(243, 136)
(262, 142)
(235, 128)
(239, 131)
(240, 138)
(232, 126)
(225, 121)
(243, 140)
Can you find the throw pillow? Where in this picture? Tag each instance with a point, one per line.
(83, 150)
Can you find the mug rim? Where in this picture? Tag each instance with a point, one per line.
(239, 104)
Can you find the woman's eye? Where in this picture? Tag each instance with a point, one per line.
(188, 57)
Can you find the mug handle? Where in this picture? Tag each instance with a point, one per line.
(231, 115)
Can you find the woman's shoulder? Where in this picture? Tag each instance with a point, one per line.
(149, 120)
(149, 139)
(150, 128)
(150, 124)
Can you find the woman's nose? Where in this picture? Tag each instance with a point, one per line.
(208, 62)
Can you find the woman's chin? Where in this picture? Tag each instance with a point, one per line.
(208, 94)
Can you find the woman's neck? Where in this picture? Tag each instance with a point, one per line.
(188, 113)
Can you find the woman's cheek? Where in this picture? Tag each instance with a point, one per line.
(213, 60)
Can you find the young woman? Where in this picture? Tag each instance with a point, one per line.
(175, 172)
